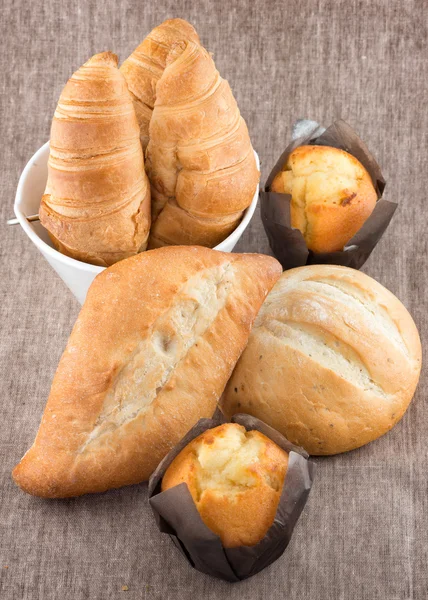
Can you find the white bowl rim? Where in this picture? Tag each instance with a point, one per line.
(72, 262)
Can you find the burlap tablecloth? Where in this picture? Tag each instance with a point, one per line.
(363, 534)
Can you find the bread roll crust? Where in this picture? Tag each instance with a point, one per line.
(332, 195)
(332, 362)
(149, 355)
(235, 478)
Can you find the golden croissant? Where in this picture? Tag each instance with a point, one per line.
(96, 205)
(199, 159)
(143, 69)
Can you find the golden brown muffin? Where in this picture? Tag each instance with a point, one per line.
(235, 478)
(332, 195)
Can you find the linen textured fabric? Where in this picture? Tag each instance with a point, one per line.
(362, 534)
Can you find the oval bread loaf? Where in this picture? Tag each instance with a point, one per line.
(235, 478)
(150, 354)
(332, 362)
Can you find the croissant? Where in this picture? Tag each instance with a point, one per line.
(96, 206)
(143, 69)
(199, 159)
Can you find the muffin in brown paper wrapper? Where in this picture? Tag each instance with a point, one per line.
(287, 243)
(177, 515)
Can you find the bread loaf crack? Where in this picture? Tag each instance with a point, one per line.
(349, 293)
(330, 352)
(152, 362)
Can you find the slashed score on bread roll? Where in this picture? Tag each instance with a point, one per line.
(332, 362)
(235, 478)
(332, 195)
(150, 354)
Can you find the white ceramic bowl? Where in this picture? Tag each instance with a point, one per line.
(77, 275)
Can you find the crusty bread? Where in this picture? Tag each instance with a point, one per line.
(200, 160)
(143, 69)
(149, 355)
(96, 205)
(332, 195)
(332, 362)
(235, 478)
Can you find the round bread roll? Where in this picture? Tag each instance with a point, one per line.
(332, 362)
(235, 478)
(332, 195)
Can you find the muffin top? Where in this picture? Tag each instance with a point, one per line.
(331, 195)
(235, 478)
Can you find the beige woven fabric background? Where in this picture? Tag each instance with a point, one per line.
(363, 534)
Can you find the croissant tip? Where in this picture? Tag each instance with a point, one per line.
(104, 58)
(177, 22)
(179, 47)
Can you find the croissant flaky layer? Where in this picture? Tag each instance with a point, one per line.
(143, 69)
(96, 205)
(149, 355)
(200, 161)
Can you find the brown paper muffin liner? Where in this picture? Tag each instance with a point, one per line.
(177, 515)
(287, 243)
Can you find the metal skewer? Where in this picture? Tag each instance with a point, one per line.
(16, 222)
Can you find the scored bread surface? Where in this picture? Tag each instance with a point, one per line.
(150, 354)
(332, 362)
